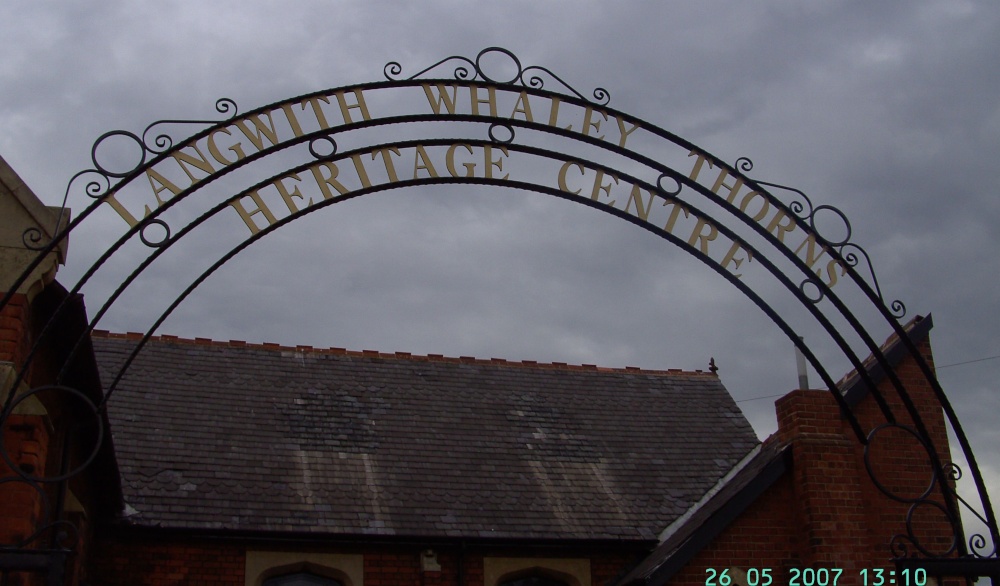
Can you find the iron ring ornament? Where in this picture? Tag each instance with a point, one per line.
(498, 139)
(675, 190)
(323, 143)
(502, 68)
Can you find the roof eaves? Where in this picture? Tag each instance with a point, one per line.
(708, 496)
(680, 547)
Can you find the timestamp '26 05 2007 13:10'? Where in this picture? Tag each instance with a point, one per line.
(815, 577)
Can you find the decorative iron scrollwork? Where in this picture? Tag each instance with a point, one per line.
(104, 178)
(33, 239)
(852, 253)
(909, 544)
(164, 142)
(469, 70)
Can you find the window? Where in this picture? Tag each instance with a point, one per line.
(291, 568)
(536, 571)
(302, 579)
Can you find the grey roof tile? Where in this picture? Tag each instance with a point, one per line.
(247, 437)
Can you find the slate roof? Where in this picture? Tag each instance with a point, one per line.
(231, 436)
(709, 519)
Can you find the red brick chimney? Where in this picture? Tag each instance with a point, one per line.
(847, 521)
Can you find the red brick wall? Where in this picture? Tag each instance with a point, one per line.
(25, 440)
(765, 536)
(13, 330)
(157, 562)
(25, 437)
(901, 464)
(166, 563)
(827, 513)
(605, 568)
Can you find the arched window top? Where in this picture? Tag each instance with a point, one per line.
(302, 579)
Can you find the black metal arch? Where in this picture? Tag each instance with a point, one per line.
(107, 183)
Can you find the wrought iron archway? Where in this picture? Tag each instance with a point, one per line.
(757, 219)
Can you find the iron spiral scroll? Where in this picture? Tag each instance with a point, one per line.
(853, 254)
(153, 145)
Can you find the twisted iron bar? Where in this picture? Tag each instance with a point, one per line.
(393, 72)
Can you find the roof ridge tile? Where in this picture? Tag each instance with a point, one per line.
(398, 355)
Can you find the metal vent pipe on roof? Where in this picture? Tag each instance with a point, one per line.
(800, 363)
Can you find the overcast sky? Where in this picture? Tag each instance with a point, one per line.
(888, 111)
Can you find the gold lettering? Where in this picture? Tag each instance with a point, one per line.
(678, 208)
(588, 123)
(490, 162)
(247, 216)
(624, 132)
(213, 149)
(359, 103)
(562, 176)
(641, 209)
(288, 195)
(292, 120)
(360, 168)
(554, 113)
(470, 168)
(491, 99)
(325, 183)
(731, 258)
(263, 131)
(765, 207)
(733, 189)
(390, 169)
(422, 161)
(184, 159)
(810, 245)
(780, 229)
(699, 235)
(701, 160)
(118, 207)
(522, 107)
(317, 109)
(442, 97)
(831, 272)
(164, 185)
(606, 188)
